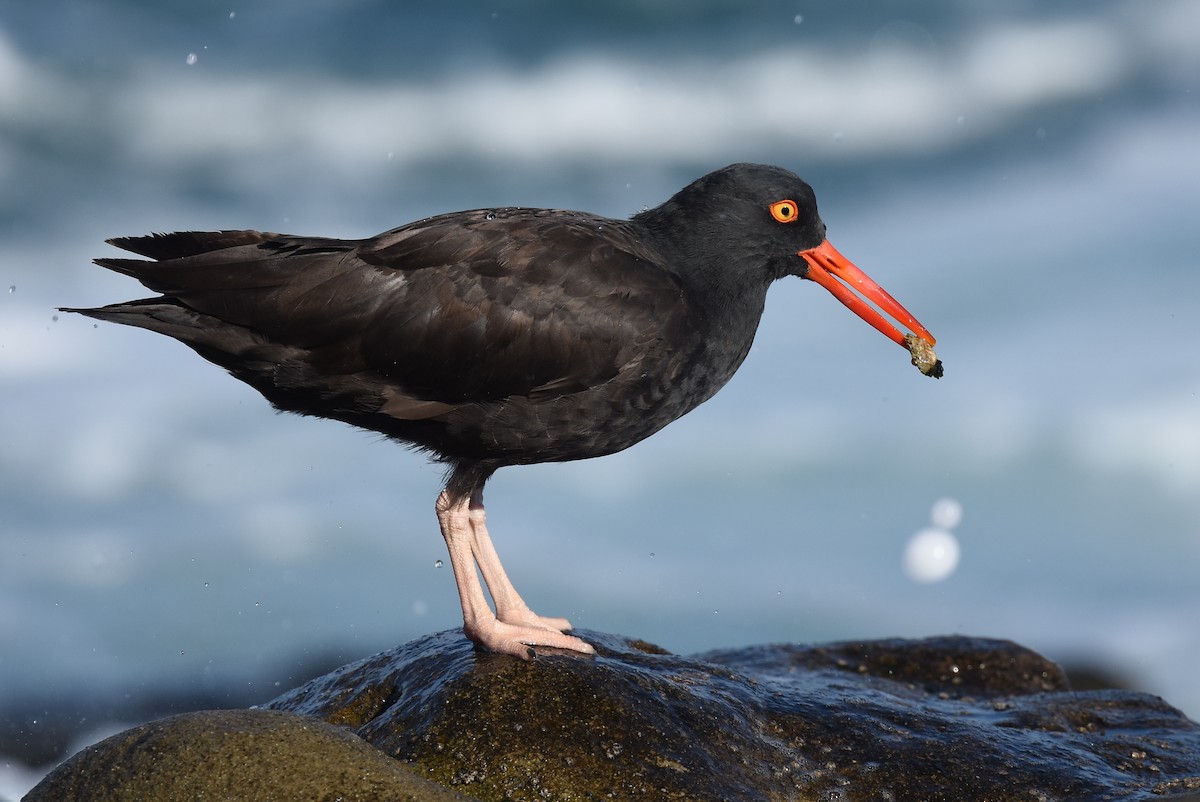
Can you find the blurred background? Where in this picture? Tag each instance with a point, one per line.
(1024, 178)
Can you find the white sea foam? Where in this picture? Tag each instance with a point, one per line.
(1157, 436)
(588, 107)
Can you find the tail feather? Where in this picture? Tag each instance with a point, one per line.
(226, 291)
(196, 261)
(282, 373)
(217, 341)
(188, 263)
(130, 267)
(164, 315)
(185, 243)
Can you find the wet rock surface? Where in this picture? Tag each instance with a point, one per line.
(244, 755)
(938, 719)
(945, 718)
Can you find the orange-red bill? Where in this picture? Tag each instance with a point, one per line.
(826, 266)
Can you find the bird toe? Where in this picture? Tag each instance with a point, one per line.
(518, 640)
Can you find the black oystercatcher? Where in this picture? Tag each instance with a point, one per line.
(503, 337)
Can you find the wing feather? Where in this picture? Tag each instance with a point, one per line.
(465, 308)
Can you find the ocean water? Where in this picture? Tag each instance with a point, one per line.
(1023, 178)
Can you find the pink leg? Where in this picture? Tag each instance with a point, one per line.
(510, 607)
(514, 628)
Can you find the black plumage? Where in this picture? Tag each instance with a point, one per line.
(493, 337)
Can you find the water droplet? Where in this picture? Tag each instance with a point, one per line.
(191, 59)
(599, 228)
(946, 513)
(205, 584)
(931, 555)
(232, 14)
(652, 555)
(490, 216)
(256, 604)
(799, 18)
(12, 288)
(437, 563)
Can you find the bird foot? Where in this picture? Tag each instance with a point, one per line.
(494, 635)
(514, 628)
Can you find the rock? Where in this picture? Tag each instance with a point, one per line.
(944, 718)
(938, 719)
(247, 755)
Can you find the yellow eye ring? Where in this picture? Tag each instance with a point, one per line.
(785, 211)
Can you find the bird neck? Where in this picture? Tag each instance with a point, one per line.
(728, 286)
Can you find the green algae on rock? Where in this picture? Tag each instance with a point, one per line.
(243, 755)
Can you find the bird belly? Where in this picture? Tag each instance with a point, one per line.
(591, 423)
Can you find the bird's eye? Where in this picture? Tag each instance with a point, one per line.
(785, 211)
